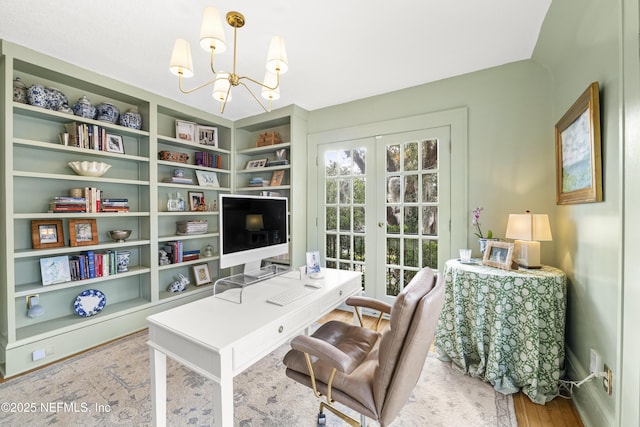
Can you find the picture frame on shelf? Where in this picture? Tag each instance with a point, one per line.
(115, 144)
(208, 135)
(276, 178)
(499, 255)
(578, 151)
(55, 270)
(196, 201)
(313, 262)
(201, 274)
(83, 232)
(47, 233)
(185, 131)
(207, 178)
(256, 163)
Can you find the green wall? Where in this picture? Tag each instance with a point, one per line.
(579, 44)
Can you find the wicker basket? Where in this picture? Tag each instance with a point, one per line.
(172, 156)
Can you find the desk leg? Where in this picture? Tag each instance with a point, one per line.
(223, 393)
(158, 387)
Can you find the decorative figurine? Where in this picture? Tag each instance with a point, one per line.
(164, 259)
(179, 285)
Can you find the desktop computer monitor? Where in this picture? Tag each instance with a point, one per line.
(252, 228)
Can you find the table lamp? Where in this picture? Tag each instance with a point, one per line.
(528, 230)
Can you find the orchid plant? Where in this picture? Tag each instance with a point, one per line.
(476, 223)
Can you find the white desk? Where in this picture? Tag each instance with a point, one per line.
(219, 339)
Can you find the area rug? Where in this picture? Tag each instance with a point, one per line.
(109, 386)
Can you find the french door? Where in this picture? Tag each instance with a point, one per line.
(384, 206)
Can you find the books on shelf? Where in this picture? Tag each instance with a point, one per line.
(257, 182)
(198, 226)
(83, 135)
(92, 202)
(115, 205)
(277, 162)
(208, 160)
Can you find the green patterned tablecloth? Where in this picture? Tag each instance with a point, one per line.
(506, 327)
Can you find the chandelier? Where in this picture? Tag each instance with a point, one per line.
(212, 39)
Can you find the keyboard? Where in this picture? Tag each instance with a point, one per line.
(289, 296)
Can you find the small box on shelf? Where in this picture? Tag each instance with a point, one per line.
(268, 138)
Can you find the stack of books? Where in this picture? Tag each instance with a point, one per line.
(61, 204)
(115, 205)
(256, 182)
(190, 255)
(198, 226)
(178, 180)
(92, 137)
(89, 265)
(278, 162)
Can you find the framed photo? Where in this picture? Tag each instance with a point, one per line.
(201, 274)
(115, 144)
(83, 232)
(578, 152)
(196, 201)
(276, 178)
(208, 135)
(185, 131)
(55, 270)
(207, 179)
(257, 163)
(498, 254)
(47, 234)
(313, 262)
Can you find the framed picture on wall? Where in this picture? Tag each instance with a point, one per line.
(578, 151)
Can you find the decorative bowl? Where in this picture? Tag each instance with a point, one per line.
(86, 168)
(119, 235)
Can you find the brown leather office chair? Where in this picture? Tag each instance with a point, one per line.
(370, 372)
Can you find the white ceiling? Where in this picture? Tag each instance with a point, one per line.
(338, 50)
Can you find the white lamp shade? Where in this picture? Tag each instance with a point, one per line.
(271, 80)
(531, 227)
(211, 31)
(277, 56)
(221, 88)
(181, 62)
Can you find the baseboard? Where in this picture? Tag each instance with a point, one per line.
(590, 399)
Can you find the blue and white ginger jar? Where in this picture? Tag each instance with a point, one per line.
(56, 98)
(83, 108)
(131, 119)
(107, 112)
(37, 96)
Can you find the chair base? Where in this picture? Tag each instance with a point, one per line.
(344, 417)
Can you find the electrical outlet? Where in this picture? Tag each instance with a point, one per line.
(595, 364)
(607, 380)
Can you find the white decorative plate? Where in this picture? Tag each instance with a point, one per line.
(89, 302)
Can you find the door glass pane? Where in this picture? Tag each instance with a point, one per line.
(331, 189)
(410, 188)
(411, 220)
(359, 161)
(331, 215)
(331, 246)
(430, 253)
(345, 162)
(358, 248)
(345, 247)
(358, 220)
(393, 158)
(393, 219)
(345, 191)
(412, 252)
(345, 218)
(393, 281)
(393, 251)
(430, 154)
(359, 188)
(393, 189)
(430, 188)
(331, 163)
(411, 156)
(429, 220)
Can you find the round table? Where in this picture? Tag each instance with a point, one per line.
(505, 326)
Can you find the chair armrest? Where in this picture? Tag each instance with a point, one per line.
(371, 303)
(324, 351)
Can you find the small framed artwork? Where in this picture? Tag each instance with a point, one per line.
(276, 178)
(47, 234)
(201, 274)
(55, 270)
(185, 131)
(208, 135)
(83, 232)
(256, 163)
(578, 152)
(196, 201)
(115, 144)
(207, 179)
(313, 262)
(498, 254)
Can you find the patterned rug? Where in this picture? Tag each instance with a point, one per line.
(109, 386)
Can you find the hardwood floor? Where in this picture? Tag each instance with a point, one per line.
(557, 413)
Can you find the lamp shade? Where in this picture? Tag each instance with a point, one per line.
(221, 87)
(211, 32)
(277, 56)
(181, 62)
(271, 80)
(532, 227)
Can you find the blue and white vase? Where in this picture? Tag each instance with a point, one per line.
(37, 96)
(83, 108)
(107, 112)
(123, 259)
(131, 119)
(56, 98)
(19, 91)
